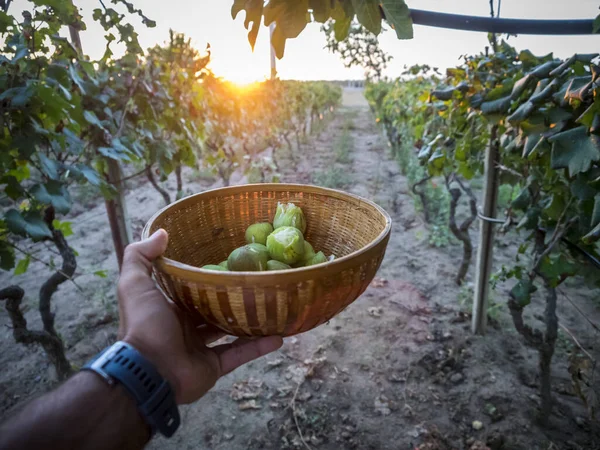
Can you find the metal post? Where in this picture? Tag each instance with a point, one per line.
(486, 236)
(273, 56)
(116, 209)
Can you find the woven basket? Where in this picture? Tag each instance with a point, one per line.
(204, 228)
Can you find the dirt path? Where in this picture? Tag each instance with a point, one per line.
(396, 369)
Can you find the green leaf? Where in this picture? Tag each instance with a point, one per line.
(592, 236)
(22, 266)
(76, 78)
(596, 213)
(5, 21)
(53, 193)
(63, 227)
(49, 166)
(29, 224)
(101, 273)
(341, 28)
(321, 10)
(7, 256)
(91, 117)
(521, 292)
(13, 188)
(89, 174)
(500, 106)
(290, 18)
(575, 150)
(556, 268)
(544, 70)
(523, 200)
(367, 13)
(522, 113)
(520, 86)
(18, 96)
(397, 14)
(254, 11)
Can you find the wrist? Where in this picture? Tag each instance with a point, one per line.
(157, 359)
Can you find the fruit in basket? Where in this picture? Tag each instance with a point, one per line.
(317, 259)
(249, 258)
(286, 245)
(224, 264)
(289, 215)
(276, 265)
(218, 268)
(258, 233)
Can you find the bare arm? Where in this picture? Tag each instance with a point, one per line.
(86, 413)
(83, 413)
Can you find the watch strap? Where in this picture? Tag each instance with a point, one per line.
(152, 393)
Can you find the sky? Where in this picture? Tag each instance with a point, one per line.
(209, 21)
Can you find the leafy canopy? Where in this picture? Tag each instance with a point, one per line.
(291, 17)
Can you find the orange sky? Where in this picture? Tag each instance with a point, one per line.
(210, 21)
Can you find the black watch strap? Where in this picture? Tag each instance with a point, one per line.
(153, 394)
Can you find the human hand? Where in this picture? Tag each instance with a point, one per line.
(163, 334)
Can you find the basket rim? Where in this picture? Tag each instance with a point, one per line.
(165, 263)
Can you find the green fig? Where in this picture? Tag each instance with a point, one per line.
(286, 245)
(319, 258)
(276, 265)
(249, 258)
(258, 233)
(224, 264)
(309, 252)
(215, 267)
(289, 215)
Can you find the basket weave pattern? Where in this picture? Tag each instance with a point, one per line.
(206, 227)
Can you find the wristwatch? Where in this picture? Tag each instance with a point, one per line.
(153, 395)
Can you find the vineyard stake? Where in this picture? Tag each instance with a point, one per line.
(486, 236)
(273, 55)
(115, 207)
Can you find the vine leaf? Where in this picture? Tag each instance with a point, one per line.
(592, 236)
(29, 224)
(254, 11)
(367, 12)
(556, 269)
(49, 166)
(398, 16)
(574, 150)
(290, 19)
(596, 213)
(7, 256)
(500, 106)
(53, 193)
(521, 292)
(22, 265)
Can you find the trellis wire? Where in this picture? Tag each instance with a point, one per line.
(503, 26)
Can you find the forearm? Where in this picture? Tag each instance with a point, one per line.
(83, 413)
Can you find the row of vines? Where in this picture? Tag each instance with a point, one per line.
(66, 119)
(542, 115)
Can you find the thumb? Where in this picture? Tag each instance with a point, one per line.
(139, 256)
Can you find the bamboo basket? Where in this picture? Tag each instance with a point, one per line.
(204, 228)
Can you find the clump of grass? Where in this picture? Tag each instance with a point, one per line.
(334, 178)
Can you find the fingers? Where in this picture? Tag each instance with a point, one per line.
(233, 355)
(139, 256)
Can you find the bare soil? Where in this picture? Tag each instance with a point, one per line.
(398, 369)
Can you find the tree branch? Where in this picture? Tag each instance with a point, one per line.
(51, 285)
(422, 196)
(51, 344)
(153, 182)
